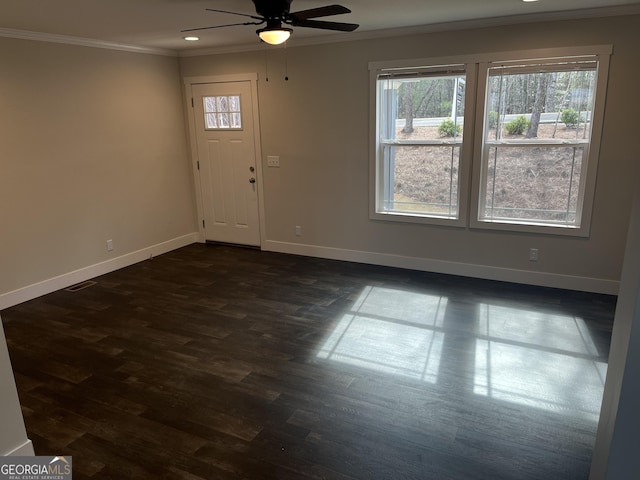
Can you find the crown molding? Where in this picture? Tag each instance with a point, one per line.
(82, 42)
(623, 10)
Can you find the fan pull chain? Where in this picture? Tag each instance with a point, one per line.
(286, 67)
(266, 64)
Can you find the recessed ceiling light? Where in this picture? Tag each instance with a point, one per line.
(191, 39)
(529, 0)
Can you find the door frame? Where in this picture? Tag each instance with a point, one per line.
(189, 82)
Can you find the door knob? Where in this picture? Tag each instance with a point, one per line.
(252, 180)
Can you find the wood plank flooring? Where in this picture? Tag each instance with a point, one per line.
(218, 362)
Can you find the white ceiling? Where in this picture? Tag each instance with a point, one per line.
(156, 24)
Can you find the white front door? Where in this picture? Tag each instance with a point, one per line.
(225, 137)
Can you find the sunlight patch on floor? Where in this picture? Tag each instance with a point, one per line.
(390, 331)
(539, 360)
(528, 357)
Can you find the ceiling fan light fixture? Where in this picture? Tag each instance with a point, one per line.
(274, 35)
(275, 13)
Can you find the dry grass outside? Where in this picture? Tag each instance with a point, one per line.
(527, 178)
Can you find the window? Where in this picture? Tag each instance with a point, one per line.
(420, 134)
(537, 128)
(519, 152)
(222, 112)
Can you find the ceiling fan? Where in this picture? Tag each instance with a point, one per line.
(276, 12)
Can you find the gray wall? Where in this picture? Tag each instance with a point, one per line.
(13, 436)
(318, 123)
(92, 148)
(615, 455)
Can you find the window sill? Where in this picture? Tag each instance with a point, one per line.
(419, 219)
(537, 228)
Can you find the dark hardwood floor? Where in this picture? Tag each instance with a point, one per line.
(218, 362)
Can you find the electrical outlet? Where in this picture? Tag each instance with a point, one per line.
(109, 245)
(533, 254)
(298, 231)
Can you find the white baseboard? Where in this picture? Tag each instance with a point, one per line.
(569, 282)
(554, 280)
(24, 450)
(30, 292)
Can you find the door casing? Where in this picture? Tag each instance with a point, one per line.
(252, 78)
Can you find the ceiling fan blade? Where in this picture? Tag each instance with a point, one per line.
(220, 26)
(234, 13)
(341, 27)
(326, 11)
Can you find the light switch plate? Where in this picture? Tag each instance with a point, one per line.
(273, 161)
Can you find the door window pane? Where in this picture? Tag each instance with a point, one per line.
(222, 112)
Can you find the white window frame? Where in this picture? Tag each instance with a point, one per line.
(377, 177)
(471, 168)
(599, 54)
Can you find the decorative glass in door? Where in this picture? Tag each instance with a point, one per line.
(222, 112)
